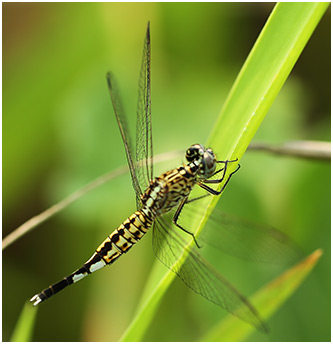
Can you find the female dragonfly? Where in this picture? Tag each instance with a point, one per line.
(157, 196)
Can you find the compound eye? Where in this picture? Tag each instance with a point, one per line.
(210, 151)
(190, 154)
(210, 167)
(193, 152)
(208, 164)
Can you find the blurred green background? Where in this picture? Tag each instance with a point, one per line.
(59, 133)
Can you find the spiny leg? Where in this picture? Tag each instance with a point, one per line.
(218, 171)
(225, 162)
(224, 169)
(196, 198)
(207, 188)
(176, 216)
(217, 181)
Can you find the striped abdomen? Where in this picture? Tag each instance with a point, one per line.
(117, 243)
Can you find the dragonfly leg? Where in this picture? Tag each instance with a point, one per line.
(176, 216)
(225, 162)
(217, 181)
(224, 169)
(218, 171)
(196, 198)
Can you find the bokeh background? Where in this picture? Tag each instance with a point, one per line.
(59, 133)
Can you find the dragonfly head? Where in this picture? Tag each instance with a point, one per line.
(202, 157)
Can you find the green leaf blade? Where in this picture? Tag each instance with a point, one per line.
(273, 56)
(25, 325)
(267, 67)
(268, 300)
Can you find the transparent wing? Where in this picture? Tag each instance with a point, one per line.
(199, 275)
(248, 240)
(243, 239)
(140, 164)
(123, 127)
(144, 145)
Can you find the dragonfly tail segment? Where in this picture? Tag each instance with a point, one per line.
(117, 243)
(56, 287)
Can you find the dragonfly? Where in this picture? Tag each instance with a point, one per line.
(156, 198)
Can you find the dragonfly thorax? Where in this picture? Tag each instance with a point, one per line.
(202, 159)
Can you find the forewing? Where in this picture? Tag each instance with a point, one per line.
(144, 145)
(123, 127)
(199, 275)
